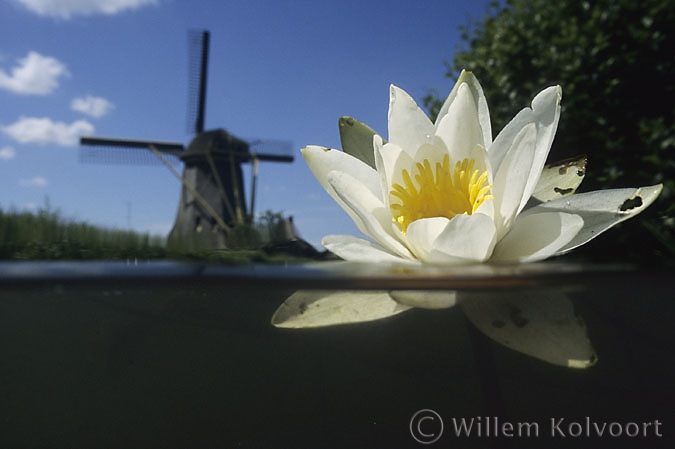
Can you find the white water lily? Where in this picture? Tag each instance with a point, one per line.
(446, 193)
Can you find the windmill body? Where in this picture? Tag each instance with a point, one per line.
(194, 226)
(212, 198)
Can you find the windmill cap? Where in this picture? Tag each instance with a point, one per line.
(220, 143)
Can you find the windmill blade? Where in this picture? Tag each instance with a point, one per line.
(271, 150)
(198, 62)
(104, 150)
(272, 158)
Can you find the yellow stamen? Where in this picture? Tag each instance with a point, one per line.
(438, 191)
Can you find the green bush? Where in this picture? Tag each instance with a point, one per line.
(614, 61)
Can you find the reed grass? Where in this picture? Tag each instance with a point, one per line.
(46, 235)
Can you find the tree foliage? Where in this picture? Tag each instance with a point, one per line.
(615, 62)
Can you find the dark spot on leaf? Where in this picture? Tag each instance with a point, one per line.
(581, 165)
(346, 121)
(516, 317)
(631, 203)
(563, 191)
(302, 307)
(498, 324)
(579, 162)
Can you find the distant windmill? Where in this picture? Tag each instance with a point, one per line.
(212, 198)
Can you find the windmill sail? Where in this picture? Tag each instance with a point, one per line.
(103, 150)
(271, 150)
(198, 59)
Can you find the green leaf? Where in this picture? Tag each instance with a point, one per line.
(357, 140)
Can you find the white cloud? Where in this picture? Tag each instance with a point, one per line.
(96, 107)
(7, 153)
(45, 131)
(65, 9)
(35, 75)
(36, 181)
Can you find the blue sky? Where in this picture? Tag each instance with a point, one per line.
(278, 69)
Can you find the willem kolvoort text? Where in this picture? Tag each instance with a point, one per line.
(485, 426)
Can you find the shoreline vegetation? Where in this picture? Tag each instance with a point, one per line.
(46, 235)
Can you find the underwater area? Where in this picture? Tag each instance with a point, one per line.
(174, 354)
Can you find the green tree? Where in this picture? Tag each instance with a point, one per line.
(615, 62)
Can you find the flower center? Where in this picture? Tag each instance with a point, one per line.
(438, 191)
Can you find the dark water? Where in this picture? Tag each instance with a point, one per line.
(169, 355)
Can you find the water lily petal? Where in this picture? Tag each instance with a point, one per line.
(465, 239)
(541, 324)
(409, 126)
(546, 110)
(512, 176)
(432, 152)
(374, 218)
(425, 299)
(469, 79)
(544, 113)
(600, 210)
(535, 237)
(422, 234)
(353, 248)
(322, 160)
(318, 308)
(504, 140)
(460, 129)
(390, 161)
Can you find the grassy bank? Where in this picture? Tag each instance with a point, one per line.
(46, 235)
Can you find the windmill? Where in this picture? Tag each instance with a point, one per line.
(212, 196)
